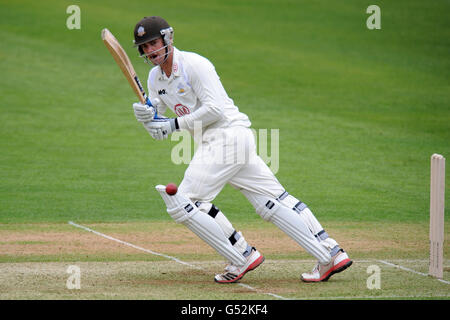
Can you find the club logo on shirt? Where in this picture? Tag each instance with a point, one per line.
(181, 110)
(181, 89)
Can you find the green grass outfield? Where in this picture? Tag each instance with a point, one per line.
(359, 114)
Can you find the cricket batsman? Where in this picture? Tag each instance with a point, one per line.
(187, 84)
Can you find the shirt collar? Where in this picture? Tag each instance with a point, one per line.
(175, 65)
(176, 62)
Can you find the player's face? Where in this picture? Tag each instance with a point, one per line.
(154, 50)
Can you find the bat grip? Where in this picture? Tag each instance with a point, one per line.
(149, 103)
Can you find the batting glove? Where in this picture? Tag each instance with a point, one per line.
(161, 128)
(143, 112)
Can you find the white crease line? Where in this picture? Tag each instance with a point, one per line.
(165, 256)
(133, 246)
(410, 270)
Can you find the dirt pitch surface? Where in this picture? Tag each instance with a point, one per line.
(123, 261)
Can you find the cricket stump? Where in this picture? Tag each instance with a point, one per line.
(437, 193)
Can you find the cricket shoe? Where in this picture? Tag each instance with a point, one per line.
(234, 273)
(322, 272)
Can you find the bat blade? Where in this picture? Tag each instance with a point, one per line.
(122, 60)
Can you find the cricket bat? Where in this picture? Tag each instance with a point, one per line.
(125, 65)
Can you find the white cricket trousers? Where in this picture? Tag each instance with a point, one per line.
(228, 155)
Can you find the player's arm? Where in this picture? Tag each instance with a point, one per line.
(207, 86)
(160, 127)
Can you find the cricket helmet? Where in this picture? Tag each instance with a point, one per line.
(151, 28)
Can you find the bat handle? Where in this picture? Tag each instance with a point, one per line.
(149, 103)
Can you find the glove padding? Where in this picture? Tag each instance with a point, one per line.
(161, 128)
(143, 112)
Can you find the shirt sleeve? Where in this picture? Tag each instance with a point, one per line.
(209, 90)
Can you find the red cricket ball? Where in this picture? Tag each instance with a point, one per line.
(171, 189)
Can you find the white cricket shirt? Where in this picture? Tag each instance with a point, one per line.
(194, 92)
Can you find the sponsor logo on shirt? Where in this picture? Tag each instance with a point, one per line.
(181, 110)
(163, 91)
